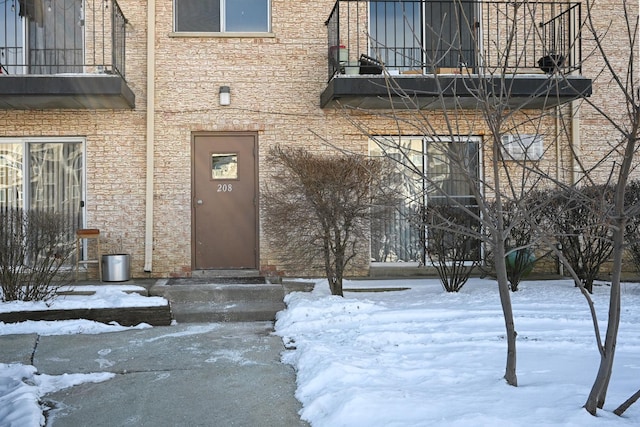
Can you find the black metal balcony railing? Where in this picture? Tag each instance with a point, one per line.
(46, 37)
(425, 36)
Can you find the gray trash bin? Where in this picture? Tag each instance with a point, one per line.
(116, 267)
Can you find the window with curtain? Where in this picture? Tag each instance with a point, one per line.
(42, 36)
(427, 170)
(395, 29)
(43, 175)
(418, 34)
(217, 16)
(55, 37)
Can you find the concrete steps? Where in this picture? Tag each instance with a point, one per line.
(201, 299)
(221, 299)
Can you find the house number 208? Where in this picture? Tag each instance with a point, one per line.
(225, 188)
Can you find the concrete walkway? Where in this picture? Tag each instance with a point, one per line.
(204, 374)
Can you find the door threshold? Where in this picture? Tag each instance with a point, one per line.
(225, 273)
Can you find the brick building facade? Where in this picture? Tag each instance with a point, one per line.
(178, 57)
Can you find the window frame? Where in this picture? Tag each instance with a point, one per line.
(222, 24)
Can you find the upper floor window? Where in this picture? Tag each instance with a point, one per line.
(222, 16)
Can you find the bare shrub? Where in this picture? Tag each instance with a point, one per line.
(319, 209)
(34, 246)
(452, 244)
(521, 220)
(579, 220)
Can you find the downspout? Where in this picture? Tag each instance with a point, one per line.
(576, 141)
(575, 151)
(151, 77)
(560, 174)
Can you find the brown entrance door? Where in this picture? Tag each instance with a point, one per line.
(224, 201)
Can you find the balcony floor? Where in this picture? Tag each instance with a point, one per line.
(65, 91)
(436, 91)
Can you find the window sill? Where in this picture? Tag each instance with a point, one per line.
(184, 34)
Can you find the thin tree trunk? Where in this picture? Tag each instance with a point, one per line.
(505, 300)
(500, 263)
(598, 393)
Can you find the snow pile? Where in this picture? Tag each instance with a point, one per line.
(106, 296)
(21, 389)
(64, 327)
(19, 399)
(422, 357)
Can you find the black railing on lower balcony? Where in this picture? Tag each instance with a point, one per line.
(432, 36)
(47, 37)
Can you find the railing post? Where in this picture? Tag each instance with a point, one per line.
(118, 38)
(333, 39)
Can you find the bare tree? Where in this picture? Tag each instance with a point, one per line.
(611, 209)
(495, 114)
(319, 208)
(623, 85)
(465, 134)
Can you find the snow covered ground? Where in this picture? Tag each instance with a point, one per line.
(422, 357)
(418, 357)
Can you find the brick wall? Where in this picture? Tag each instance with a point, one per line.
(275, 84)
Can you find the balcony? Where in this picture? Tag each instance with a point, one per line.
(63, 54)
(432, 54)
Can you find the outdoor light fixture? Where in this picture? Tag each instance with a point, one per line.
(225, 95)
